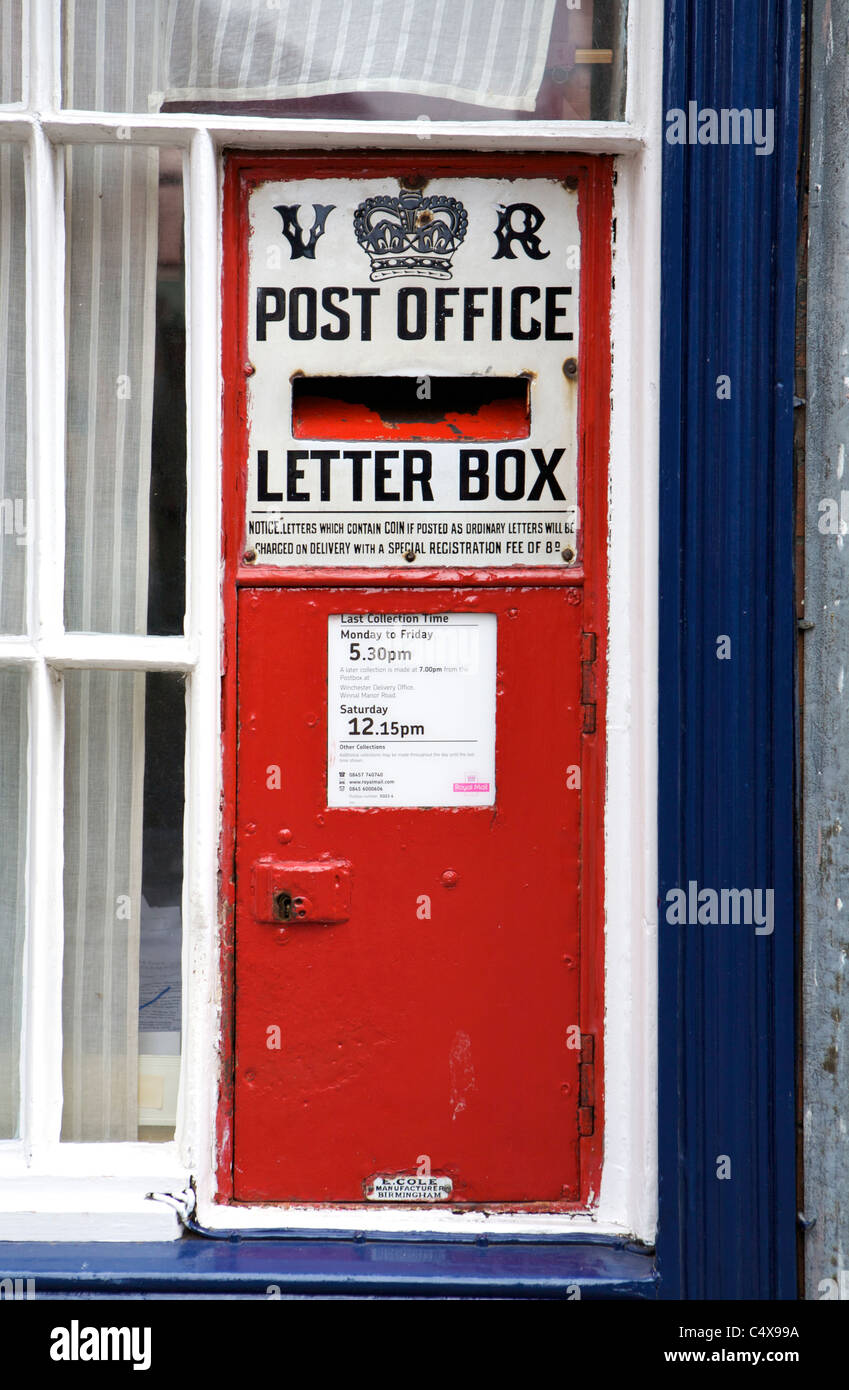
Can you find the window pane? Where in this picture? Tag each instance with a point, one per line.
(10, 52)
(126, 451)
(122, 1007)
(13, 814)
(365, 59)
(14, 517)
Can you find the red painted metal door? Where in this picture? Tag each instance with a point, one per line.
(433, 1029)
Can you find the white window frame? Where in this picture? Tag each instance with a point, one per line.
(53, 1190)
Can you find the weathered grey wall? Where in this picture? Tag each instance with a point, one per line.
(826, 665)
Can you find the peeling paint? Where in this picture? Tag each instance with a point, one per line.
(462, 1072)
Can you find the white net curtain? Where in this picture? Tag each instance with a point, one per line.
(486, 52)
(133, 57)
(111, 215)
(13, 810)
(14, 540)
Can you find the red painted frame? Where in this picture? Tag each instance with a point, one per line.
(595, 211)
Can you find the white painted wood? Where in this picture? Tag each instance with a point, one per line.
(198, 1092)
(42, 1031)
(93, 1161)
(86, 1209)
(629, 1180)
(254, 132)
(103, 650)
(405, 1220)
(600, 137)
(42, 29)
(17, 651)
(135, 1220)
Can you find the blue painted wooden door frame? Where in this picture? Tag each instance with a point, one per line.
(726, 747)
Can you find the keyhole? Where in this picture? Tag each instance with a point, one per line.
(283, 906)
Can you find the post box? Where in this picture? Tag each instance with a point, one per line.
(416, 386)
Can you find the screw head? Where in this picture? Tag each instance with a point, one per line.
(249, 557)
(409, 556)
(570, 366)
(568, 554)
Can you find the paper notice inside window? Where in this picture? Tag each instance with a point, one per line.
(160, 992)
(411, 709)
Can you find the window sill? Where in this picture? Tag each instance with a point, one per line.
(86, 1209)
(325, 1268)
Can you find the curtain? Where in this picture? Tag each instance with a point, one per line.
(111, 208)
(104, 783)
(10, 52)
(14, 537)
(111, 214)
(486, 52)
(489, 54)
(13, 819)
(14, 514)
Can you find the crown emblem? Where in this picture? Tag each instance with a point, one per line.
(410, 235)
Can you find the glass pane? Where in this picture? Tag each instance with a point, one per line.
(14, 516)
(13, 815)
(126, 451)
(10, 52)
(122, 1006)
(363, 59)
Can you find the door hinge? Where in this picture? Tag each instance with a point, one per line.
(586, 1086)
(589, 647)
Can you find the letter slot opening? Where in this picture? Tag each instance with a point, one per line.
(411, 407)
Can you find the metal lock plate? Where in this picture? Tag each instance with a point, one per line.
(287, 892)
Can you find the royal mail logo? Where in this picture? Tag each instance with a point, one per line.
(410, 234)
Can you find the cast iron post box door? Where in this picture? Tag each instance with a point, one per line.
(433, 1021)
(414, 679)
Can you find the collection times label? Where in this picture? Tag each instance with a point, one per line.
(411, 709)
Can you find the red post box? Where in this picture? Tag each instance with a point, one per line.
(416, 367)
